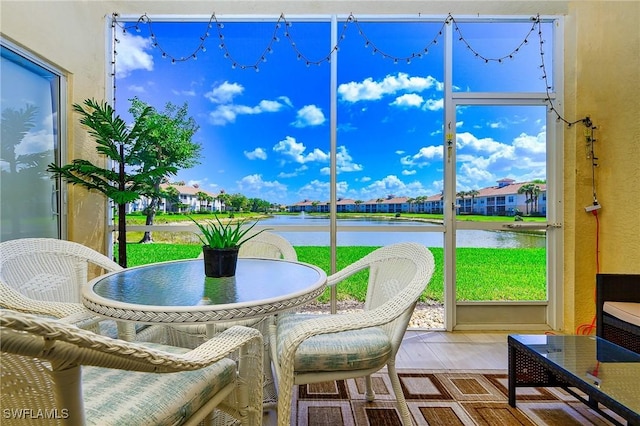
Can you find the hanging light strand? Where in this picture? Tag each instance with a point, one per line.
(548, 87)
(375, 50)
(499, 59)
(351, 20)
(326, 58)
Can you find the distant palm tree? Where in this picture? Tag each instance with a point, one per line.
(358, 203)
(527, 190)
(535, 194)
(410, 201)
(205, 198)
(172, 196)
(473, 194)
(378, 202)
(461, 194)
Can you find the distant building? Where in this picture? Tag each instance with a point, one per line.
(504, 199)
(190, 200)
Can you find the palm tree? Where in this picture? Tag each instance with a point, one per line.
(378, 202)
(535, 194)
(172, 196)
(461, 194)
(358, 203)
(527, 190)
(122, 144)
(473, 194)
(410, 201)
(205, 198)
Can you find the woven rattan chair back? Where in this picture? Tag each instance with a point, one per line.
(398, 275)
(48, 374)
(48, 269)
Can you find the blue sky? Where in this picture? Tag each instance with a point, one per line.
(266, 133)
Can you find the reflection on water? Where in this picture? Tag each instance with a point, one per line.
(465, 238)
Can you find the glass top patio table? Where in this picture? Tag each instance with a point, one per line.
(179, 292)
(597, 363)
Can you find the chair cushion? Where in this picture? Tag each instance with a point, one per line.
(117, 397)
(624, 311)
(346, 350)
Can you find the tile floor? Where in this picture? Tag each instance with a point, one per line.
(439, 350)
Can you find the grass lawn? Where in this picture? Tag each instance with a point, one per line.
(482, 273)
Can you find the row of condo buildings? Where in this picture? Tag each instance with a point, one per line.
(504, 199)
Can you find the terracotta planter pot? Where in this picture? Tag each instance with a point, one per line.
(220, 262)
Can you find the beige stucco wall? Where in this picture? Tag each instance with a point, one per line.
(602, 67)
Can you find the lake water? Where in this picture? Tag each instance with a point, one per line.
(465, 238)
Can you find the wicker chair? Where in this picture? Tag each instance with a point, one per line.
(45, 276)
(311, 348)
(74, 376)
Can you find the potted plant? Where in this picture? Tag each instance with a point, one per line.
(220, 244)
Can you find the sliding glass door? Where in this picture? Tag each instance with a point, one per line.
(30, 200)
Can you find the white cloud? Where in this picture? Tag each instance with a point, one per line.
(256, 154)
(295, 173)
(226, 112)
(391, 184)
(132, 54)
(369, 90)
(408, 172)
(408, 100)
(309, 115)
(35, 142)
(485, 160)
(469, 141)
(423, 157)
(136, 89)
(190, 93)
(434, 104)
(224, 93)
(295, 151)
(253, 186)
(344, 163)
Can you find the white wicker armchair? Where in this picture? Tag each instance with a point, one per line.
(50, 269)
(45, 276)
(311, 348)
(74, 376)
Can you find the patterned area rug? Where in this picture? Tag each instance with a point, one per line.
(439, 398)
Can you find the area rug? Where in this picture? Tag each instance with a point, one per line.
(477, 397)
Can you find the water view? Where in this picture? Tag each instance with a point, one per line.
(430, 237)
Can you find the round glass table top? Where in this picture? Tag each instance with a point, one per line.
(259, 286)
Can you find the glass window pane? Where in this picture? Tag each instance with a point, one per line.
(501, 162)
(30, 97)
(260, 95)
(499, 59)
(390, 115)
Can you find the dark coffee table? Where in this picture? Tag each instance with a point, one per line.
(607, 373)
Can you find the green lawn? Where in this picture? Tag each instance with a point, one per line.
(482, 273)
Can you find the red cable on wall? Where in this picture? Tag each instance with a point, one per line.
(586, 329)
